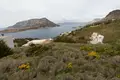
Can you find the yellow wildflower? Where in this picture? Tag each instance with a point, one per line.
(93, 53)
(28, 66)
(24, 66)
(69, 65)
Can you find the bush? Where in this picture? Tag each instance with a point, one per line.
(105, 49)
(64, 39)
(4, 49)
(46, 64)
(36, 50)
(21, 41)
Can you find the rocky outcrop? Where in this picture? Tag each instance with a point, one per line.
(96, 38)
(115, 14)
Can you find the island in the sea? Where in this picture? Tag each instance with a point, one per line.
(30, 24)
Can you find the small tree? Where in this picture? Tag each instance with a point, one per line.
(4, 49)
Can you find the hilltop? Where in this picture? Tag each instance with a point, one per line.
(30, 24)
(115, 14)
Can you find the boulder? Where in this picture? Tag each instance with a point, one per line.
(96, 38)
(42, 41)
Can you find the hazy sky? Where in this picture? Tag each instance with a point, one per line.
(12, 11)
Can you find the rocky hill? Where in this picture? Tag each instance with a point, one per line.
(30, 24)
(113, 15)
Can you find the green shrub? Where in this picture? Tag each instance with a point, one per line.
(86, 48)
(21, 41)
(46, 64)
(105, 49)
(4, 49)
(64, 39)
(36, 50)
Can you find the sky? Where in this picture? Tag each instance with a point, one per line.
(12, 11)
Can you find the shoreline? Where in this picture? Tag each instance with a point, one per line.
(14, 30)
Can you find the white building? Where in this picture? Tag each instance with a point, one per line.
(8, 40)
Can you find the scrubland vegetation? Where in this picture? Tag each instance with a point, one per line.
(73, 60)
(4, 49)
(62, 61)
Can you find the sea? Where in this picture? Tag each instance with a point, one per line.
(48, 32)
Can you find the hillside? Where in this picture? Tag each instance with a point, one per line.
(30, 24)
(62, 61)
(107, 26)
(110, 30)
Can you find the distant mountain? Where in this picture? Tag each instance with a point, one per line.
(71, 23)
(115, 14)
(34, 23)
(95, 20)
(30, 24)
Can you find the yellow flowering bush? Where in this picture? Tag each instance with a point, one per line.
(24, 66)
(94, 54)
(69, 65)
(118, 76)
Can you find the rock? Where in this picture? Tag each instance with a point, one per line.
(42, 41)
(96, 38)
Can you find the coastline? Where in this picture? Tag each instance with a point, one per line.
(14, 30)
